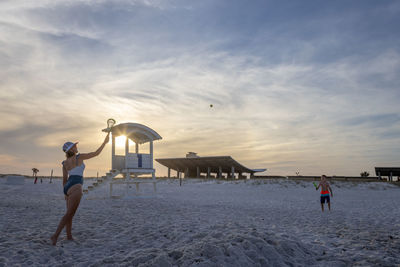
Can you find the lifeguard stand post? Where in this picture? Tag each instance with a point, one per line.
(133, 164)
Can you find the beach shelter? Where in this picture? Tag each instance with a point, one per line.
(135, 163)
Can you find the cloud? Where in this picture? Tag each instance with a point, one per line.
(376, 120)
(7, 159)
(291, 84)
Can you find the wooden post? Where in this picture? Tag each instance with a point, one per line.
(136, 148)
(126, 153)
(51, 176)
(198, 172)
(151, 154)
(233, 172)
(169, 172)
(220, 172)
(151, 159)
(112, 152)
(208, 172)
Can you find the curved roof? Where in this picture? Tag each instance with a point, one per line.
(225, 162)
(137, 132)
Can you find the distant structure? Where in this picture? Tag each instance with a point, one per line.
(195, 166)
(15, 180)
(388, 171)
(191, 155)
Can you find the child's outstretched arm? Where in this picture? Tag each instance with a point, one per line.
(319, 185)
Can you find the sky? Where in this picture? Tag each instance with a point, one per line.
(296, 86)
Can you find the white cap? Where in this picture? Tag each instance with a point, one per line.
(68, 145)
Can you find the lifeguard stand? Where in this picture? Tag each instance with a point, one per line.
(133, 164)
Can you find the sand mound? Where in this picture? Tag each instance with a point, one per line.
(15, 180)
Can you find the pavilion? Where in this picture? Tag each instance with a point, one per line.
(194, 166)
(388, 171)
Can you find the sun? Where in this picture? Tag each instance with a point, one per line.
(120, 141)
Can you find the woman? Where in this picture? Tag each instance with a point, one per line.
(73, 168)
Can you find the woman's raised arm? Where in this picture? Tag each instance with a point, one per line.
(90, 155)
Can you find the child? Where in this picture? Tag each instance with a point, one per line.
(324, 192)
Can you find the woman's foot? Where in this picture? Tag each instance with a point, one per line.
(53, 240)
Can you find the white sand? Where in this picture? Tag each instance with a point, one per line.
(205, 223)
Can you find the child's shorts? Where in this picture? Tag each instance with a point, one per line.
(325, 197)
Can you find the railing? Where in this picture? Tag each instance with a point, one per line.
(118, 162)
(141, 161)
(133, 161)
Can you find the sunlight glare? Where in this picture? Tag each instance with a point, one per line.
(120, 141)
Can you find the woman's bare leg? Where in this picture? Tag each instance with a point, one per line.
(74, 198)
(68, 226)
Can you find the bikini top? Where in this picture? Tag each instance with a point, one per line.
(78, 170)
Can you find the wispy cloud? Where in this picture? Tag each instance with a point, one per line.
(294, 86)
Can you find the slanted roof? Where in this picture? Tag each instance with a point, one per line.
(385, 171)
(137, 132)
(225, 162)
